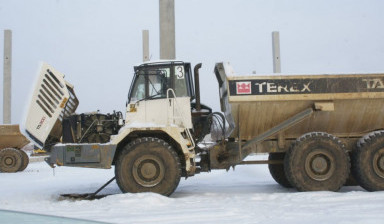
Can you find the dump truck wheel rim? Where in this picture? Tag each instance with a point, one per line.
(9, 161)
(148, 170)
(319, 165)
(378, 163)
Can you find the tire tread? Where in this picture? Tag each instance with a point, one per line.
(289, 159)
(360, 169)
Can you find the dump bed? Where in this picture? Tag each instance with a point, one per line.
(346, 105)
(10, 137)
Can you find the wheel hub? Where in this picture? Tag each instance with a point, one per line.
(319, 165)
(8, 161)
(378, 163)
(148, 170)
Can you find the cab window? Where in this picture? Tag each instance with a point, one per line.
(179, 80)
(150, 84)
(138, 91)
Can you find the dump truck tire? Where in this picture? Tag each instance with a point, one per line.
(277, 170)
(317, 162)
(25, 160)
(148, 165)
(351, 180)
(368, 161)
(10, 160)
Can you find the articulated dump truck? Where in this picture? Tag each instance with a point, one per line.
(319, 130)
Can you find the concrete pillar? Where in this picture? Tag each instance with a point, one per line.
(7, 77)
(167, 29)
(276, 52)
(145, 45)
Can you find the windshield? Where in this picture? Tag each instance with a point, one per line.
(150, 83)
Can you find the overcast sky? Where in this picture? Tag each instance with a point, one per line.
(95, 43)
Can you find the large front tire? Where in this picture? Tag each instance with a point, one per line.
(148, 165)
(317, 162)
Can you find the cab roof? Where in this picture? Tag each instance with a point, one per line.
(161, 62)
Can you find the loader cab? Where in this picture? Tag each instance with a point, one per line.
(152, 80)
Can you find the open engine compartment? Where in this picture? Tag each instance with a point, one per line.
(91, 127)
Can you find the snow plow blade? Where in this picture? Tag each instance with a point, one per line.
(53, 98)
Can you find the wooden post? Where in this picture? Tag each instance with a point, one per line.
(145, 45)
(276, 52)
(7, 85)
(167, 29)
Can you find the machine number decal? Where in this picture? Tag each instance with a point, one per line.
(179, 70)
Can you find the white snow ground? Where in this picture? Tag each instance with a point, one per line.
(246, 195)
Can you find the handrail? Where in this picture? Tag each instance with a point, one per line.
(172, 91)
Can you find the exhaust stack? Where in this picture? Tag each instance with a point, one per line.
(197, 86)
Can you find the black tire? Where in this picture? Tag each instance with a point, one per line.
(10, 160)
(148, 165)
(25, 160)
(351, 180)
(368, 161)
(277, 170)
(317, 162)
